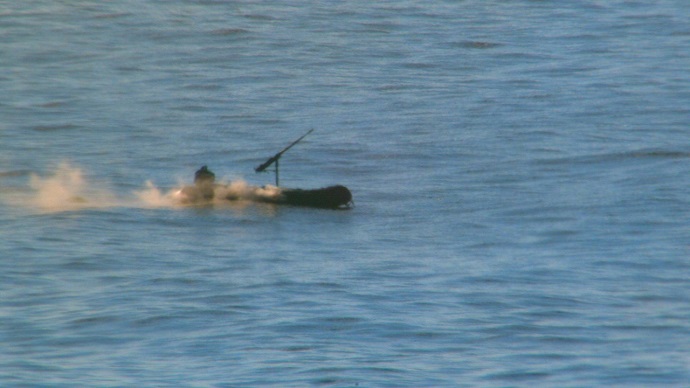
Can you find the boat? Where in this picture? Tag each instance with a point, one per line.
(206, 191)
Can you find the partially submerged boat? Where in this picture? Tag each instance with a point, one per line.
(205, 190)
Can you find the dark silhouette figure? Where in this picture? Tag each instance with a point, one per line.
(203, 175)
(204, 180)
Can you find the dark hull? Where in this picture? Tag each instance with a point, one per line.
(332, 197)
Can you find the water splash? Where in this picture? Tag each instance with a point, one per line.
(222, 193)
(153, 197)
(67, 189)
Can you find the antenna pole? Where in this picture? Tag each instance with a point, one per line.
(275, 158)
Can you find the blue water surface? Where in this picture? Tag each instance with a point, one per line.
(519, 172)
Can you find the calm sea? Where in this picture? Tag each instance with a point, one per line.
(520, 172)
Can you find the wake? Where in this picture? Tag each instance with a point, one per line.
(67, 189)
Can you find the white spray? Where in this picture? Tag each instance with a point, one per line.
(67, 189)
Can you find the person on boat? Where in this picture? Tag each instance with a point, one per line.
(204, 175)
(204, 180)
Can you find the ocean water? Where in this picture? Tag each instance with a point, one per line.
(520, 172)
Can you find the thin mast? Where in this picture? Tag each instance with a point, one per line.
(275, 158)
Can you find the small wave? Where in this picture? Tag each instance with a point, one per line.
(55, 127)
(14, 173)
(52, 104)
(621, 156)
(419, 65)
(476, 44)
(229, 31)
(519, 375)
(657, 154)
(115, 15)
